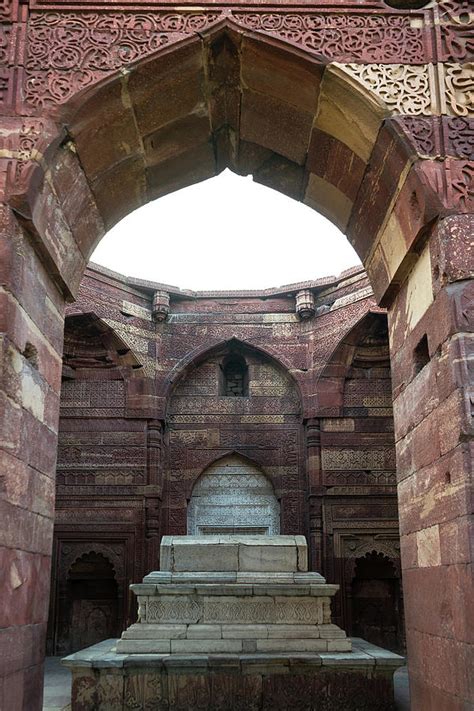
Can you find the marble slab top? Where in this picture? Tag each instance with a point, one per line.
(232, 553)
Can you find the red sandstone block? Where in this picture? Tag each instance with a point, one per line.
(20, 331)
(419, 448)
(388, 159)
(33, 688)
(455, 364)
(63, 254)
(21, 647)
(325, 156)
(409, 551)
(456, 540)
(452, 249)
(424, 696)
(416, 401)
(186, 169)
(446, 610)
(444, 664)
(453, 312)
(180, 77)
(13, 691)
(283, 175)
(265, 70)
(437, 493)
(77, 200)
(25, 595)
(455, 420)
(25, 529)
(104, 122)
(428, 602)
(276, 125)
(26, 487)
(460, 581)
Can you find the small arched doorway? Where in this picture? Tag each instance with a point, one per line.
(376, 602)
(233, 496)
(90, 606)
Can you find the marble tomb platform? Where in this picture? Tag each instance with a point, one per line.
(233, 622)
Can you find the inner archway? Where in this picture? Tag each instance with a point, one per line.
(233, 496)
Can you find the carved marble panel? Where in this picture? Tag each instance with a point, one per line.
(233, 494)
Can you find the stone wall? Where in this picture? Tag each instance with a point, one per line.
(143, 416)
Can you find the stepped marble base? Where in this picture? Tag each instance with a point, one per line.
(233, 622)
(232, 595)
(360, 680)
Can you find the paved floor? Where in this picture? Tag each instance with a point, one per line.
(57, 687)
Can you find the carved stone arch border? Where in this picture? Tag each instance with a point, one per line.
(376, 543)
(332, 378)
(201, 353)
(70, 552)
(215, 458)
(254, 464)
(71, 56)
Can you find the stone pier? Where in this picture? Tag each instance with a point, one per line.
(233, 622)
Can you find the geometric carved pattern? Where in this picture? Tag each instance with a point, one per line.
(382, 458)
(232, 494)
(309, 611)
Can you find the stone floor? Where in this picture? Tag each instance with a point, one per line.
(57, 687)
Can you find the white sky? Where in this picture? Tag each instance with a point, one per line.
(225, 233)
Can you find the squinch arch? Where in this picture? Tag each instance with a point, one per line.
(104, 111)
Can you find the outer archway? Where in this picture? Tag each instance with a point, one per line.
(368, 133)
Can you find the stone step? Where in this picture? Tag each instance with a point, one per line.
(143, 631)
(230, 646)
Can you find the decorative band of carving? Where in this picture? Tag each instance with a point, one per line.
(235, 611)
(345, 37)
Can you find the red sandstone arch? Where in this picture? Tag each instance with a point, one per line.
(121, 355)
(201, 353)
(329, 388)
(233, 98)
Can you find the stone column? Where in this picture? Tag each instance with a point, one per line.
(153, 493)
(31, 336)
(315, 491)
(432, 349)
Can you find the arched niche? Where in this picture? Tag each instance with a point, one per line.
(89, 603)
(376, 601)
(233, 496)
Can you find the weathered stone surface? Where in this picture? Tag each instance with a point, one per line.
(245, 680)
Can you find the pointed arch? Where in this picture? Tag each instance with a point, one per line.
(202, 352)
(233, 495)
(329, 387)
(252, 98)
